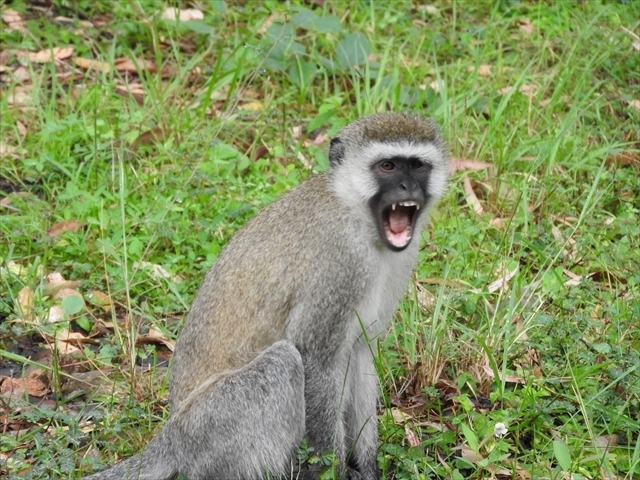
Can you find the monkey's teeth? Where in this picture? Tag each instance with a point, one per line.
(408, 204)
(393, 206)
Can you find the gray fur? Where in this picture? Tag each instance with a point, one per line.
(276, 346)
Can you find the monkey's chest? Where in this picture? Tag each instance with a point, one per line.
(388, 284)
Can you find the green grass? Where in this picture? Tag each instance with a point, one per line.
(553, 353)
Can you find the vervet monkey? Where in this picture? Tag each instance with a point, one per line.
(276, 347)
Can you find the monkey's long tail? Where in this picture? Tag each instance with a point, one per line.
(154, 463)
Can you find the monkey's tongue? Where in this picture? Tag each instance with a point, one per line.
(398, 221)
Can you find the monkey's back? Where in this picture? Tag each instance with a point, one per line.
(285, 251)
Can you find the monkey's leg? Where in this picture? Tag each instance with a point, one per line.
(361, 420)
(245, 424)
(156, 462)
(325, 398)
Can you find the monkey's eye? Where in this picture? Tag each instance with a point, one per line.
(416, 164)
(387, 166)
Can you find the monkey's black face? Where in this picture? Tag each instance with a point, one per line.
(402, 184)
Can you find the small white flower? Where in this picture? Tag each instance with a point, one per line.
(500, 430)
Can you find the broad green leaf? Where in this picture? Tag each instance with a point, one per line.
(353, 50)
(72, 304)
(470, 436)
(562, 454)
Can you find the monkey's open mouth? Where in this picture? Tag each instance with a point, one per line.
(398, 221)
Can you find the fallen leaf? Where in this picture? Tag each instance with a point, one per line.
(55, 53)
(467, 164)
(19, 97)
(413, 439)
(66, 341)
(528, 90)
(625, 159)
(14, 21)
(90, 64)
(399, 417)
(18, 387)
(505, 90)
(21, 74)
(65, 226)
(501, 282)
(262, 29)
(55, 282)
(484, 70)
(26, 300)
(133, 89)
(157, 271)
(254, 106)
(7, 150)
(526, 26)
(636, 43)
(471, 197)
(22, 129)
(185, 15)
(499, 222)
(507, 378)
(128, 65)
(56, 314)
(635, 104)
(99, 299)
(156, 336)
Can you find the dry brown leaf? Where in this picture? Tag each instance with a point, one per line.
(501, 283)
(484, 70)
(65, 226)
(606, 442)
(55, 282)
(20, 97)
(90, 64)
(133, 89)
(22, 129)
(399, 417)
(574, 279)
(21, 74)
(254, 106)
(66, 341)
(156, 336)
(14, 21)
(157, 134)
(469, 454)
(471, 197)
(99, 299)
(26, 300)
(505, 90)
(635, 104)
(185, 15)
(48, 55)
(625, 159)
(413, 439)
(507, 378)
(56, 314)
(526, 26)
(262, 29)
(528, 90)
(426, 299)
(498, 222)
(128, 65)
(157, 271)
(7, 150)
(467, 164)
(18, 387)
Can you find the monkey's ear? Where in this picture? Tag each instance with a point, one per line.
(336, 151)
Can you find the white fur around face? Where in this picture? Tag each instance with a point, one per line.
(354, 183)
